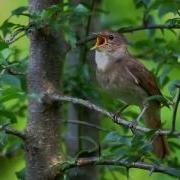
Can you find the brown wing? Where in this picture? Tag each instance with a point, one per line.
(143, 77)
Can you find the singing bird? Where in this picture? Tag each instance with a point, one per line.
(129, 80)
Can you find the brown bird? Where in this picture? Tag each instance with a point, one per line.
(128, 79)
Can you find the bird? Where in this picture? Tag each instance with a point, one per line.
(126, 78)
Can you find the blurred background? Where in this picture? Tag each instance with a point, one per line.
(158, 49)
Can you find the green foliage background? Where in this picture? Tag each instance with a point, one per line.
(159, 51)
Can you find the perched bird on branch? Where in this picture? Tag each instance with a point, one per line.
(128, 79)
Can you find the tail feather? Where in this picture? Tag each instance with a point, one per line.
(153, 120)
(160, 146)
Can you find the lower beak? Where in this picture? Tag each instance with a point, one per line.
(100, 40)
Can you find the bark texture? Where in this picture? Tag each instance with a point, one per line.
(44, 75)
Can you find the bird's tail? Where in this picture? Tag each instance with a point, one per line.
(153, 121)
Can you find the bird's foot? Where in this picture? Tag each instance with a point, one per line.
(116, 115)
(133, 124)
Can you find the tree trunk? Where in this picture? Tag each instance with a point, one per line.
(44, 75)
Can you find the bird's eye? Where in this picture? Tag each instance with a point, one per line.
(111, 37)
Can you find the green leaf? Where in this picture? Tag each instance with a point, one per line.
(146, 2)
(19, 10)
(10, 94)
(12, 149)
(3, 138)
(8, 115)
(10, 80)
(131, 159)
(174, 145)
(158, 98)
(173, 86)
(70, 37)
(166, 6)
(173, 21)
(115, 137)
(3, 44)
(120, 152)
(163, 75)
(141, 3)
(166, 9)
(5, 53)
(140, 146)
(21, 175)
(150, 134)
(82, 9)
(137, 140)
(49, 12)
(6, 27)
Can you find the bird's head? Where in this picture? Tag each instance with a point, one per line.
(109, 42)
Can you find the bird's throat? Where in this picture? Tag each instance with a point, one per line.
(102, 60)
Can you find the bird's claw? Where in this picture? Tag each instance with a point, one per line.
(116, 115)
(133, 124)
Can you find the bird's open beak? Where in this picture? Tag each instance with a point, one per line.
(100, 40)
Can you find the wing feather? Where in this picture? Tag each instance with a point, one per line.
(143, 77)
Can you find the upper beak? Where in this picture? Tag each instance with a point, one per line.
(100, 40)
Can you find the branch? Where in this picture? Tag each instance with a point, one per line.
(12, 131)
(13, 37)
(81, 162)
(90, 17)
(88, 25)
(118, 120)
(134, 29)
(152, 26)
(175, 111)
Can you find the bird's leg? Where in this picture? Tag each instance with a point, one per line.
(118, 113)
(135, 122)
(141, 113)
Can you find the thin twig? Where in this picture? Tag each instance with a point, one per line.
(141, 114)
(12, 131)
(24, 30)
(123, 108)
(133, 29)
(87, 124)
(13, 72)
(152, 170)
(90, 17)
(152, 26)
(135, 122)
(82, 162)
(118, 120)
(84, 49)
(175, 111)
(16, 39)
(118, 113)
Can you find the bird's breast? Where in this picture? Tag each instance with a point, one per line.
(119, 85)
